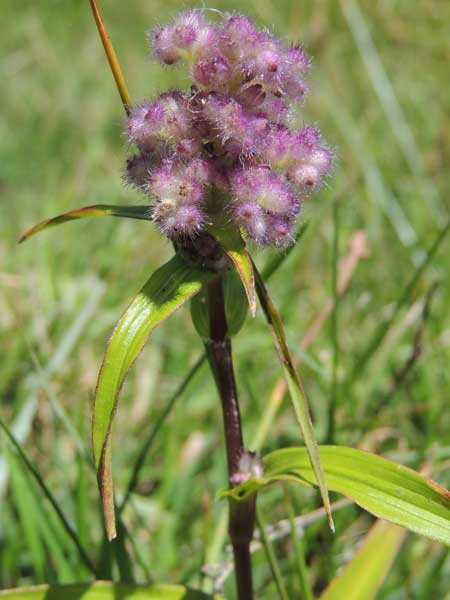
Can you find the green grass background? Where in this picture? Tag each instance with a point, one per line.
(380, 92)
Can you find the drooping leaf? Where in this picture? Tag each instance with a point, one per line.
(386, 489)
(96, 210)
(296, 391)
(105, 590)
(232, 243)
(363, 576)
(166, 290)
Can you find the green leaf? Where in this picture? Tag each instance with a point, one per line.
(296, 391)
(96, 210)
(105, 590)
(166, 290)
(365, 573)
(236, 306)
(232, 243)
(386, 489)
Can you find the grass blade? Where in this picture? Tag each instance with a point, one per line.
(139, 463)
(105, 590)
(28, 519)
(384, 328)
(299, 551)
(388, 100)
(271, 558)
(47, 493)
(364, 575)
(334, 327)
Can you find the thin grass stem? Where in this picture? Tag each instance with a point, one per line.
(112, 58)
(47, 493)
(334, 326)
(299, 550)
(148, 443)
(383, 329)
(271, 557)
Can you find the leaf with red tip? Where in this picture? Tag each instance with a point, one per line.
(167, 289)
(232, 243)
(96, 210)
(296, 391)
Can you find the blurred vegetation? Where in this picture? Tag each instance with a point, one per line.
(380, 94)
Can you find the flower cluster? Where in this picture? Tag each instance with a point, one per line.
(225, 151)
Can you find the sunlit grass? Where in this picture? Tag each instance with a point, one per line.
(61, 147)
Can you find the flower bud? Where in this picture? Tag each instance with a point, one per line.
(279, 231)
(190, 36)
(213, 73)
(271, 191)
(251, 217)
(137, 171)
(179, 222)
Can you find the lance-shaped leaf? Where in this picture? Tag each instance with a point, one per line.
(166, 290)
(296, 391)
(106, 590)
(363, 576)
(386, 489)
(96, 210)
(232, 243)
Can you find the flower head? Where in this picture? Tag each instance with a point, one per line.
(225, 148)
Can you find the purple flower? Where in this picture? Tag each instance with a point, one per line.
(189, 36)
(270, 190)
(167, 120)
(185, 221)
(226, 146)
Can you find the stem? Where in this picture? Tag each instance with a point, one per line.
(271, 558)
(112, 58)
(299, 550)
(334, 328)
(242, 514)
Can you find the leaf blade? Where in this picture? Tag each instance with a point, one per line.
(105, 590)
(295, 387)
(232, 243)
(386, 489)
(167, 290)
(95, 210)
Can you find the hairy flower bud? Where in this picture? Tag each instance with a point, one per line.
(166, 120)
(189, 36)
(137, 171)
(252, 217)
(279, 230)
(179, 222)
(270, 190)
(226, 147)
